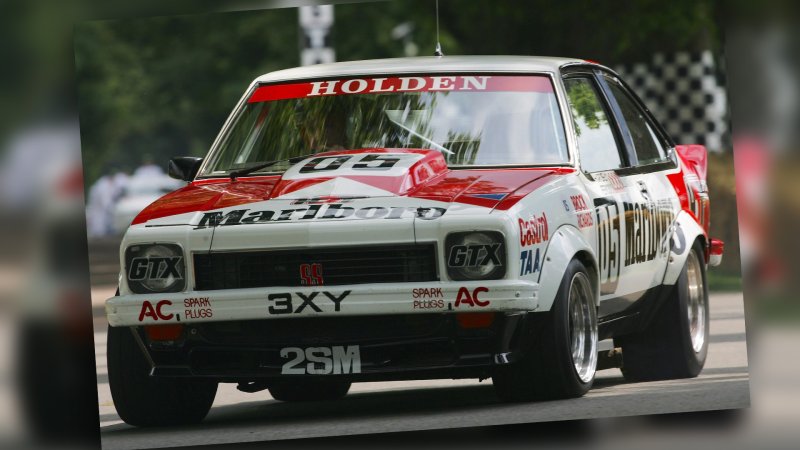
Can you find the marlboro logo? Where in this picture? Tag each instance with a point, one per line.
(332, 212)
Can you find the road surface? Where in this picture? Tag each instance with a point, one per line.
(425, 405)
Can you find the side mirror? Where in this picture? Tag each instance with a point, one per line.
(184, 167)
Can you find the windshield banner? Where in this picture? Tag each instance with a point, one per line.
(471, 83)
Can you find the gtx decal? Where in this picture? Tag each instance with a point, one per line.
(321, 360)
(154, 268)
(317, 212)
(529, 262)
(287, 91)
(474, 255)
(155, 312)
(284, 302)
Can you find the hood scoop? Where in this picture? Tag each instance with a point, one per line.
(337, 188)
(375, 172)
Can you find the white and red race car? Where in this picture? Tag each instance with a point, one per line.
(523, 219)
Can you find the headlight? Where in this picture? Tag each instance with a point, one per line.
(155, 268)
(475, 255)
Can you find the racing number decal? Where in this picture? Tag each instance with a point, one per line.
(609, 239)
(322, 360)
(383, 162)
(370, 161)
(325, 163)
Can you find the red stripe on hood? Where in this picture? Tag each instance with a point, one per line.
(469, 186)
(429, 179)
(206, 195)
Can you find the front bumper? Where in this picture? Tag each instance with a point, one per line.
(322, 301)
(390, 347)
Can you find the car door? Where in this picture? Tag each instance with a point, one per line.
(601, 152)
(652, 204)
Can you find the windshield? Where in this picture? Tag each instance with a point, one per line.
(471, 119)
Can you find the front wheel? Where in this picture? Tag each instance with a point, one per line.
(561, 356)
(142, 400)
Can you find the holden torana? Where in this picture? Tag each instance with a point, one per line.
(524, 219)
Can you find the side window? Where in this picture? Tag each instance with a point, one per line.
(649, 148)
(596, 143)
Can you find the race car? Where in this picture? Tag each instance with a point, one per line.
(524, 219)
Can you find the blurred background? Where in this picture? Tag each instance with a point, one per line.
(151, 80)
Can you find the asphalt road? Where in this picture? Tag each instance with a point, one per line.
(425, 405)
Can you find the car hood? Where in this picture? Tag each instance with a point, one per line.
(421, 177)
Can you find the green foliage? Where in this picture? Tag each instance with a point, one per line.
(162, 87)
(585, 105)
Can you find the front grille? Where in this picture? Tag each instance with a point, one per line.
(336, 266)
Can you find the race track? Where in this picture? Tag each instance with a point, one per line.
(422, 405)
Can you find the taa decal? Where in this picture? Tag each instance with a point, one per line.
(647, 227)
(155, 268)
(609, 243)
(197, 308)
(334, 360)
(533, 231)
(582, 212)
(311, 274)
(465, 297)
(333, 211)
(529, 262)
(155, 312)
(428, 298)
(474, 255)
(284, 302)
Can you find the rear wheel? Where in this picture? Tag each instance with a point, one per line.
(675, 344)
(142, 400)
(305, 390)
(561, 357)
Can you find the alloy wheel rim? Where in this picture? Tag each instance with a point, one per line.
(696, 303)
(582, 327)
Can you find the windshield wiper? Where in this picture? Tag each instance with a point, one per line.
(242, 172)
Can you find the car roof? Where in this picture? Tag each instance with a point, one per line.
(424, 64)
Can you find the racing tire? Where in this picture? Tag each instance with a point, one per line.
(675, 344)
(145, 401)
(308, 391)
(560, 357)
